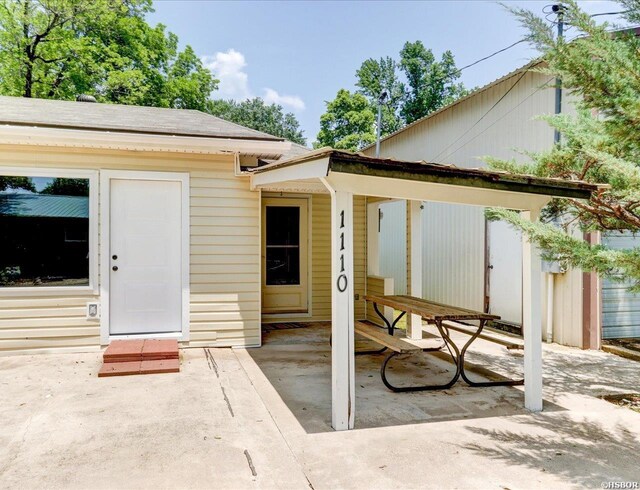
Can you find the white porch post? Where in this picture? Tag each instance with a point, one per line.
(373, 239)
(342, 312)
(532, 320)
(373, 253)
(414, 322)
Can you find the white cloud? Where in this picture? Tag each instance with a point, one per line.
(288, 101)
(229, 67)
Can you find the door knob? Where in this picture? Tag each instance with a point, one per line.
(114, 268)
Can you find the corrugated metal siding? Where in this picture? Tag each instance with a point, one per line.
(321, 260)
(620, 308)
(393, 238)
(453, 253)
(225, 277)
(462, 135)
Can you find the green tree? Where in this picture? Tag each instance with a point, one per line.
(601, 144)
(67, 187)
(348, 123)
(430, 84)
(416, 85)
(375, 76)
(255, 114)
(61, 48)
(8, 182)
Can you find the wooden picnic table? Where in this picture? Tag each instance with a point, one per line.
(436, 314)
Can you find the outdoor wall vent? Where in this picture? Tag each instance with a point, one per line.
(93, 311)
(85, 98)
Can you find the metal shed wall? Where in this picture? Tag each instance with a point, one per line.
(497, 121)
(620, 307)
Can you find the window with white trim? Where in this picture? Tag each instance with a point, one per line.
(46, 228)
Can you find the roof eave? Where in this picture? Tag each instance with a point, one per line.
(462, 177)
(12, 135)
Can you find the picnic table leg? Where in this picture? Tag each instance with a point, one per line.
(390, 326)
(506, 382)
(453, 351)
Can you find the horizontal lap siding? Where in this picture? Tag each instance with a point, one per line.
(225, 265)
(321, 259)
(225, 286)
(375, 287)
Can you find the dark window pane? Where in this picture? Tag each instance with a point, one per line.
(44, 231)
(283, 266)
(283, 225)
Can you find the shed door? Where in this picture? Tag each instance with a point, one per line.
(620, 308)
(284, 255)
(145, 282)
(505, 272)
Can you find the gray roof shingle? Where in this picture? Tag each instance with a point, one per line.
(121, 118)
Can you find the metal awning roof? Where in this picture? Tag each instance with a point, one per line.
(31, 205)
(426, 181)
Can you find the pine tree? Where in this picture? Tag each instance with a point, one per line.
(601, 144)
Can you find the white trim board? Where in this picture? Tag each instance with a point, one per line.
(105, 208)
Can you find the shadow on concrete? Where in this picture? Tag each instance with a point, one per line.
(583, 452)
(297, 362)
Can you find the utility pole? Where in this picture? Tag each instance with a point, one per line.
(381, 100)
(559, 11)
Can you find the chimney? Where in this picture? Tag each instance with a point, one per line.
(85, 98)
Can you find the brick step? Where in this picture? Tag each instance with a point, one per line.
(139, 367)
(141, 350)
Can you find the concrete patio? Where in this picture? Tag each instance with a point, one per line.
(261, 418)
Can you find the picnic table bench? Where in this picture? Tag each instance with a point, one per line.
(434, 314)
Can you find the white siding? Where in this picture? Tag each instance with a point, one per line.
(225, 276)
(393, 237)
(455, 253)
(482, 125)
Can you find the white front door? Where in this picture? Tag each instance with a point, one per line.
(145, 257)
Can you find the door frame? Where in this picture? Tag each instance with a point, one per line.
(269, 317)
(105, 242)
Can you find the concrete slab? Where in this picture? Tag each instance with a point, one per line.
(259, 418)
(62, 427)
(459, 438)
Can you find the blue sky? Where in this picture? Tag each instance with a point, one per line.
(299, 54)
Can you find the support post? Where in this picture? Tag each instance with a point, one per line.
(342, 312)
(532, 320)
(414, 322)
(373, 239)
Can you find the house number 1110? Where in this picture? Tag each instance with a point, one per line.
(342, 281)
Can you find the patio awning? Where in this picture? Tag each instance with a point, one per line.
(343, 174)
(413, 180)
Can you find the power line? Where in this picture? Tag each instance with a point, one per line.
(500, 119)
(459, 70)
(482, 117)
(491, 55)
(611, 13)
